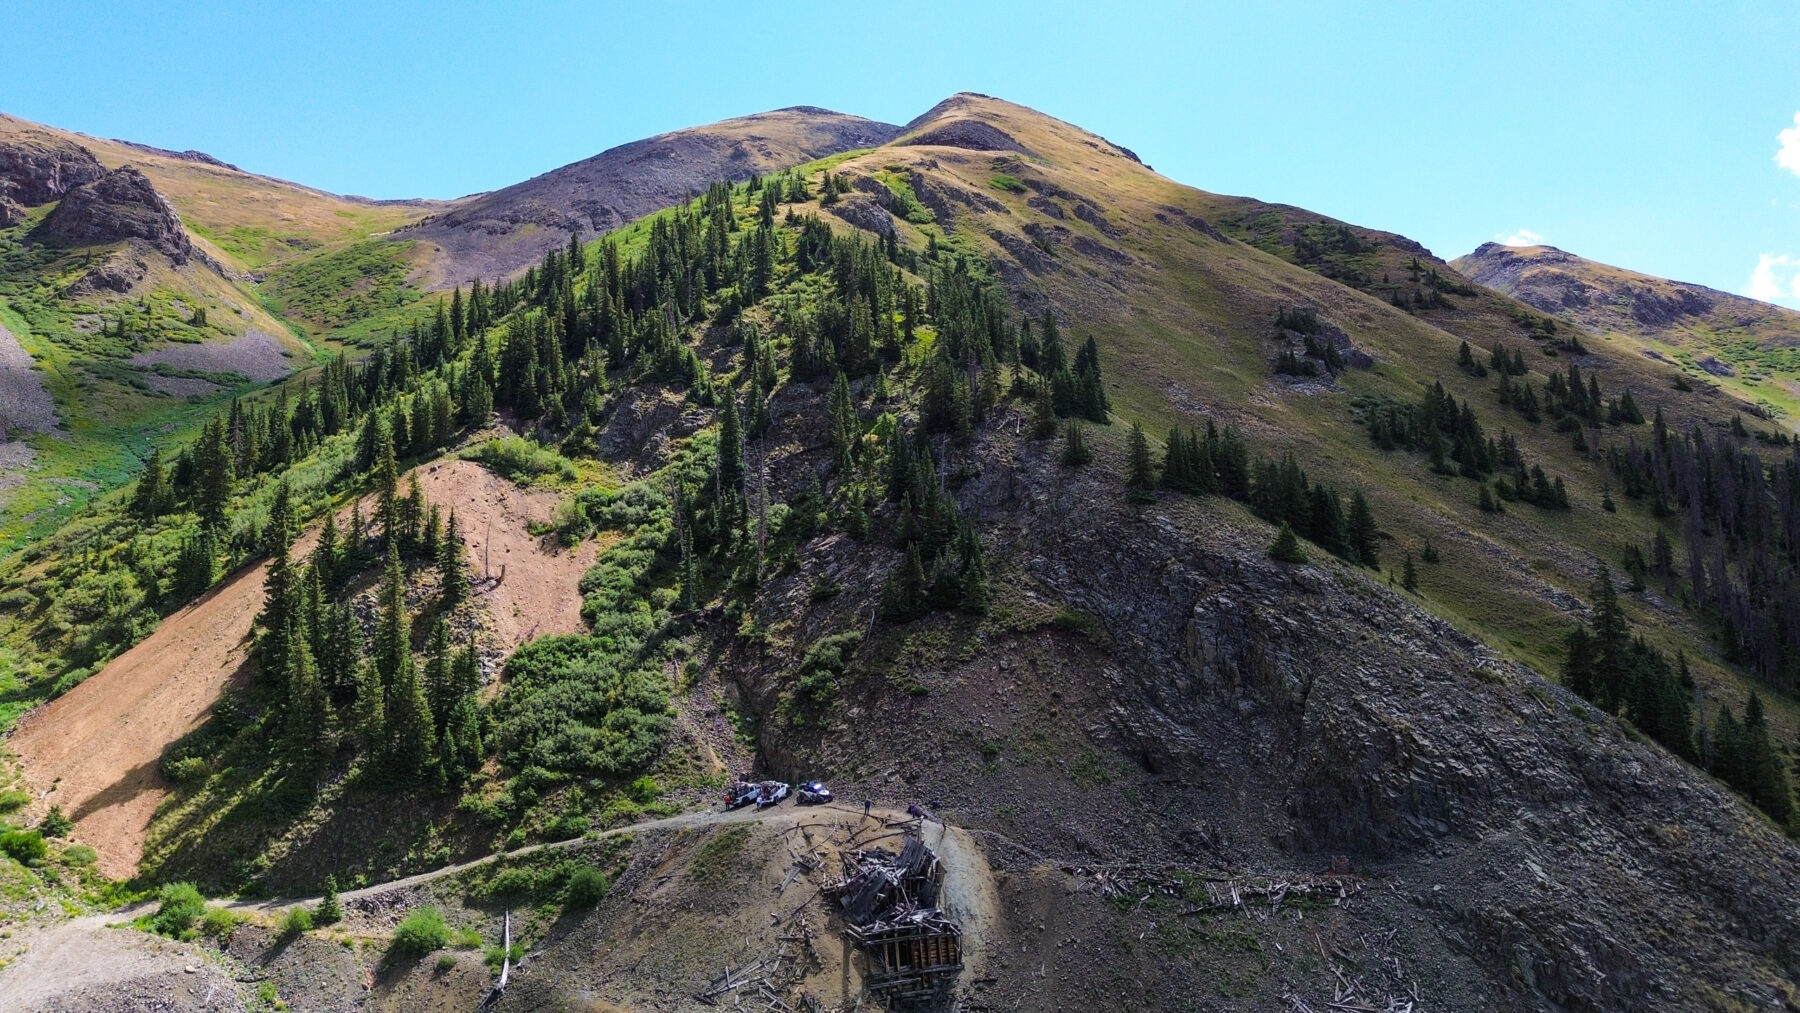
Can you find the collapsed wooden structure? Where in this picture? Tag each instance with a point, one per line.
(890, 900)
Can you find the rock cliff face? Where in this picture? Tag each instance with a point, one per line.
(37, 172)
(119, 205)
(1234, 712)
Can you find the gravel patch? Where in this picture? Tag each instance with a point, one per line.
(25, 403)
(255, 354)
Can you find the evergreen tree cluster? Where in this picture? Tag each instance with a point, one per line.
(1622, 673)
(1450, 436)
(1278, 491)
(1740, 518)
(943, 567)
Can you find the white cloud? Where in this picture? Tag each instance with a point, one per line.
(1776, 278)
(1523, 237)
(1788, 156)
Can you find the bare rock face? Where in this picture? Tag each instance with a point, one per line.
(11, 213)
(119, 205)
(33, 173)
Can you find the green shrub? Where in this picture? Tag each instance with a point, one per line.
(11, 799)
(296, 921)
(496, 954)
(180, 905)
(421, 932)
(1007, 182)
(25, 846)
(644, 790)
(466, 939)
(513, 882)
(565, 828)
(589, 886)
(79, 854)
(56, 823)
(521, 459)
(219, 923)
(187, 770)
(446, 961)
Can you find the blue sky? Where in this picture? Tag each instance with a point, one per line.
(1648, 135)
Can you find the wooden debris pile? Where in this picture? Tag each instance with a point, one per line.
(1258, 895)
(890, 900)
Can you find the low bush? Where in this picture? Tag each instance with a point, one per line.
(219, 923)
(587, 887)
(181, 904)
(520, 459)
(25, 846)
(79, 854)
(296, 921)
(421, 932)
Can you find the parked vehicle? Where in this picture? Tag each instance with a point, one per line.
(741, 794)
(812, 793)
(771, 793)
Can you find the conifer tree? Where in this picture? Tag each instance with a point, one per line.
(1409, 574)
(453, 572)
(1286, 546)
(214, 471)
(307, 720)
(1075, 452)
(387, 481)
(1364, 534)
(154, 496)
(1140, 474)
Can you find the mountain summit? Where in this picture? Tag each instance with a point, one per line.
(494, 234)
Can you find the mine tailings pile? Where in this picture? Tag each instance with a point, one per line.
(889, 899)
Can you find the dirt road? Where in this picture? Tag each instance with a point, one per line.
(66, 964)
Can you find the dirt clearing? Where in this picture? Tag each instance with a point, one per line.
(533, 583)
(94, 750)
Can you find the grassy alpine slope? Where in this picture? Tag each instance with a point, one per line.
(1717, 338)
(753, 402)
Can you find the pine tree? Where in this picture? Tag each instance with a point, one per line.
(387, 480)
(440, 694)
(1364, 534)
(1286, 546)
(307, 721)
(453, 572)
(214, 472)
(1409, 574)
(846, 428)
(154, 496)
(1075, 452)
(1043, 412)
(1140, 475)
(330, 910)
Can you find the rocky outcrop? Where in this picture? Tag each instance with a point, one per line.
(865, 213)
(36, 172)
(11, 212)
(118, 206)
(119, 272)
(971, 135)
